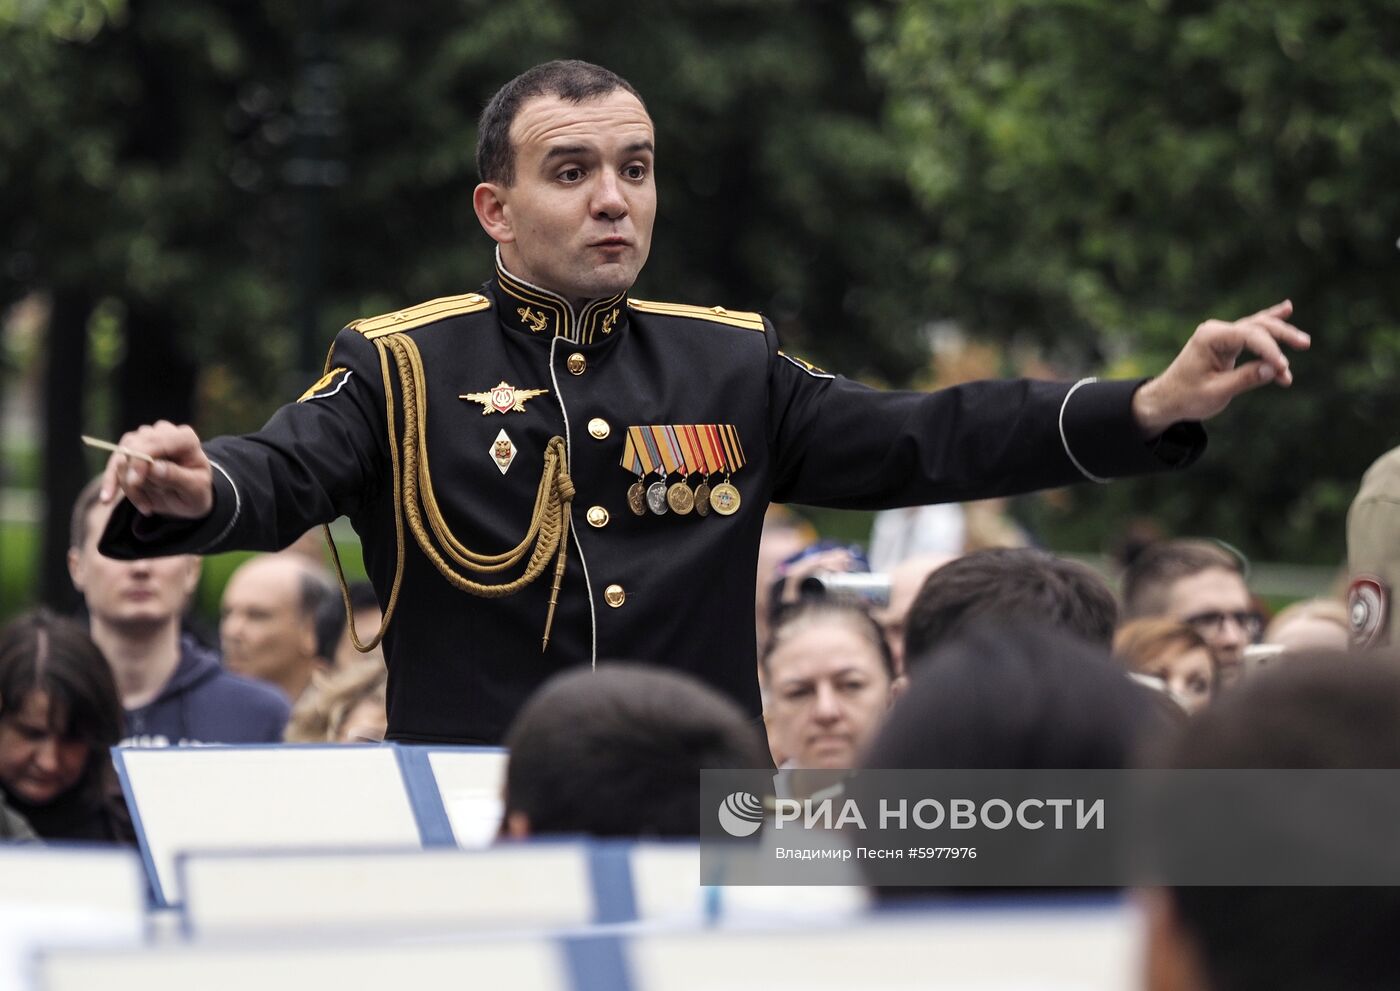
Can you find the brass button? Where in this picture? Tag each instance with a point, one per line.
(614, 596)
(598, 428)
(577, 364)
(597, 516)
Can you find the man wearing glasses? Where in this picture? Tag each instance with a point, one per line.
(1201, 584)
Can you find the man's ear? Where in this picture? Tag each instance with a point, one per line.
(308, 636)
(898, 687)
(490, 201)
(196, 565)
(517, 825)
(75, 568)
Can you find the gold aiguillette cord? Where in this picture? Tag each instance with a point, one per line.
(546, 538)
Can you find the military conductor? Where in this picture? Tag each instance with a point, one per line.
(546, 472)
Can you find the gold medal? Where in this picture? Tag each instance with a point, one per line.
(702, 498)
(680, 498)
(724, 499)
(656, 498)
(637, 498)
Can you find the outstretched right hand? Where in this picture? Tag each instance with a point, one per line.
(179, 484)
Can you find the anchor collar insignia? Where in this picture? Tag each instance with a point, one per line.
(540, 313)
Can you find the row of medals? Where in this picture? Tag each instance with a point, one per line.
(680, 498)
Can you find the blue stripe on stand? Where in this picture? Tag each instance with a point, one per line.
(154, 890)
(434, 828)
(596, 963)
(610, 870)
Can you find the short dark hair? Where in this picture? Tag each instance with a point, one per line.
(1003, 695)
(1011, 694)
(82, 506)
(618, 751)
(320, 601)
(809, 611)
(1147, 581)
(568, 79)
(330, 626)
(1025, 583)
(46, 653)
(1318, 710)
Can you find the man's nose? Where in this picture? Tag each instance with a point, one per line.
(609, 202)
(828, 704)
(1232, 631)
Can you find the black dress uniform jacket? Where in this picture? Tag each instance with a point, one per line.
(674, 590)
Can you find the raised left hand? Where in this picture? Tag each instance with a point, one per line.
(1205, 376)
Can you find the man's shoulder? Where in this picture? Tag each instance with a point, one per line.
(247, 693)
(719, 315)
(421, 315)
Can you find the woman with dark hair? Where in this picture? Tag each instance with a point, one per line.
(828, 681)
(59, 712)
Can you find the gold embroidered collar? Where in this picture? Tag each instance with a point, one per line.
(539, 312)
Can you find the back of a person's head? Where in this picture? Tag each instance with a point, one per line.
(1148, 579)
(618, 751)
(1022, 583)
(1317, 711)
(1009, 695)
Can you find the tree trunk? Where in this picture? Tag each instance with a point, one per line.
(65, 469)
(156, 378)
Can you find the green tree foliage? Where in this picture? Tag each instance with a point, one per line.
(1110, 173)
(239, 180)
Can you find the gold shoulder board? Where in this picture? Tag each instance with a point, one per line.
(715, 314)
(424, 313)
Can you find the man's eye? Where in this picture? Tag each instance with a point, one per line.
(793, 694)
(571, 175)
(637, 172)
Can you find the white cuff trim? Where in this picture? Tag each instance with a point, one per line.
(1065, 440)
(237, 510)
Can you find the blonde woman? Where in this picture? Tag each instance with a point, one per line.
(345, 705)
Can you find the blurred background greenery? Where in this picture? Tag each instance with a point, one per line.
(194, 196)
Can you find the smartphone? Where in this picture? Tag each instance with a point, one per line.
(1261, 655)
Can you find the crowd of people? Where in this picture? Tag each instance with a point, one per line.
(133, 670)
(836, 657)
(1001, 657)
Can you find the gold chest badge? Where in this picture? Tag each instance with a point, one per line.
(504, 398)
